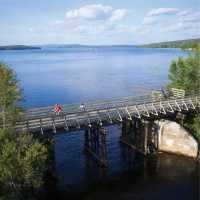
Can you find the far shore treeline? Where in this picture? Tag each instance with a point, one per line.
(188, 44)
(18, 47)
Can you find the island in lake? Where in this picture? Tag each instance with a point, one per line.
(18, 47)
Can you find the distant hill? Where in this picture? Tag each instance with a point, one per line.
(84, 46)
(183, 44)
(17, 47)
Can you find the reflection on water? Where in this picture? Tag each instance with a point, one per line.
(158, 178)
(129, 175)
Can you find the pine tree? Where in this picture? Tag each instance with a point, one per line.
(185, 73)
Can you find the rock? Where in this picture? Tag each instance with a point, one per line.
(173, 138)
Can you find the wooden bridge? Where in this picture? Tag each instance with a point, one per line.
(135, 115)
(79, 116)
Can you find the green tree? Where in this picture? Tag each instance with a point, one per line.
(22, 157)
(22, 164)
(195, 127)
(185, 74)
(10, 95)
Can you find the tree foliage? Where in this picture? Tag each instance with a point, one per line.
(22, 163)
(10, 95)
(195, 126)
(185, 74)
(22, 157)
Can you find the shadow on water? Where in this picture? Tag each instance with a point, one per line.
(128, 176)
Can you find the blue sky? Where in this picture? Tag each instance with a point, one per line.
(98, 22)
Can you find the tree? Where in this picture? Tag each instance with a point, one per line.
(185, 74)
(22, 157)
(22, 164)
(10, 95)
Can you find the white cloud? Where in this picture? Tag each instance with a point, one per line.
(183, 13)
(182, 20)
(118, 14)
(149, 21)
(80, 29)
(100, 21)
(31, 30)
(91, 20)
(97, 12)
(194, 17)
(162, 11)
(138, 29)
(104, 28)
(143, 31)
(98, 28)
(180, 26)
(172, 28)
(59, 22)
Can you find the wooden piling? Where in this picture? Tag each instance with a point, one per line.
(131, 135)
(180, 117)
(146, 132)
(124, 128)
(86, 138)
(95, 144)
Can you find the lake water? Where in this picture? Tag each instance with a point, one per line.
(69, 75)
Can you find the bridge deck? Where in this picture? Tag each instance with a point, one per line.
(112, 111)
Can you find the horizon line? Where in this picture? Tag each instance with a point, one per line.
(78, 44)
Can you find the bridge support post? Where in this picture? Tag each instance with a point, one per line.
(146, 136)
(155, 136)
(130, 136)
(87, 139)
(124, 128)
(102, 146)
(138, 134)
(95, 144)
(180, 118)
(150, 137)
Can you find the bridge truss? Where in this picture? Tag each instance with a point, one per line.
(78, 116)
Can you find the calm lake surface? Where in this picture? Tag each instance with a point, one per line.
(71, 75)
(68, 75)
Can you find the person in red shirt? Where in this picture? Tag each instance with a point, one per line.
(57, 109)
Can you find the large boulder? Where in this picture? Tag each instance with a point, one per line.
(173, 138)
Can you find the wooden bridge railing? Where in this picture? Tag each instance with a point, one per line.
(110, 111)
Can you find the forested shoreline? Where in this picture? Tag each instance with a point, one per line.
(183, 44)
(18, 47)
